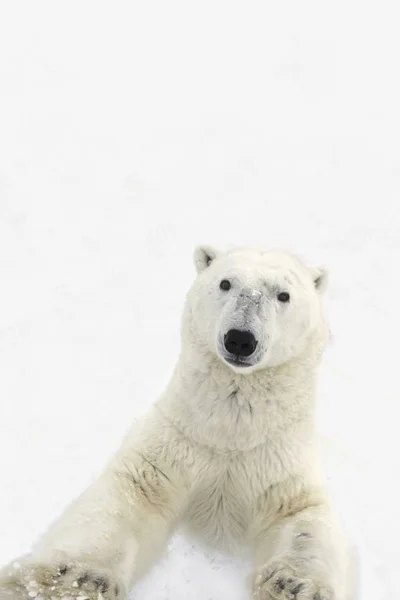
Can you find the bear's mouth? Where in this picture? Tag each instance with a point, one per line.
(237, 361)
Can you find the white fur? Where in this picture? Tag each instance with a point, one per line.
(228, 450)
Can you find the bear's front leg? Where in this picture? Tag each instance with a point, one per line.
(300, 556)
(106, 538)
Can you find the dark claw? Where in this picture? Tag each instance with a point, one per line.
(116, 589)
(83, 579)
(63, 569)
(298, 588)
(101, 583)
(280, 584)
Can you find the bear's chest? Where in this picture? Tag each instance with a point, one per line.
(225, 493)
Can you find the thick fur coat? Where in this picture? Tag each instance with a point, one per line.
(229, 450)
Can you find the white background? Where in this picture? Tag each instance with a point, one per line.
(131, 131)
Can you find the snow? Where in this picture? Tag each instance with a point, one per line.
(131, 131)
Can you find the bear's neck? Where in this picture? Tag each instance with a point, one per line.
(205, 397)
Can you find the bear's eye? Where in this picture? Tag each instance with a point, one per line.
(284, 297)
(225, 285)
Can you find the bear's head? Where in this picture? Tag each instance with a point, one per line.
(253, 309)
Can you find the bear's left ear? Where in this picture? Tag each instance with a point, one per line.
(320, 276)
(203, 257)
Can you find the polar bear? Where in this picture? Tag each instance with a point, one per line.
(229, 450)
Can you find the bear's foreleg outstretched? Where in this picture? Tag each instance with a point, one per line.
(105, 539)
(300, 555)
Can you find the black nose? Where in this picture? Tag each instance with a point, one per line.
(241, 343)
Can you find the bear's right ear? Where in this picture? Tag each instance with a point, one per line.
(320, 276)
(203, 257)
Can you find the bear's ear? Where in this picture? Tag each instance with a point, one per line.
(203, 257)
(320, 276)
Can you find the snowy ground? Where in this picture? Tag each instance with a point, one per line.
(129, 132)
